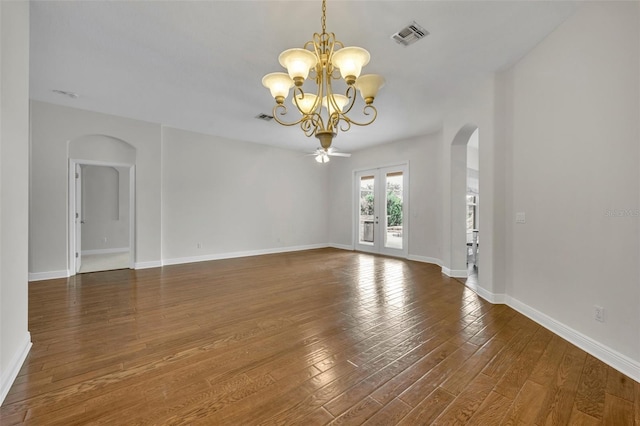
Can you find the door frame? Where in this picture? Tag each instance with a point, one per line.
(72, 209)
(404, 253)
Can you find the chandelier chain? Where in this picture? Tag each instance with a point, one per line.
(324, 16)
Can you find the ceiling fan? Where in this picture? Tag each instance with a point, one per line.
(322, 155)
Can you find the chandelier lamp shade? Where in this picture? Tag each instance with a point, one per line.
(324, 64)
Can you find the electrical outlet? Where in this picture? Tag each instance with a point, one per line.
(520, 217)
(199, 245)
(598, 313)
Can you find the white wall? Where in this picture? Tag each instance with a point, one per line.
(105, 208)
(474, 107)
(228, 196)
(15, 340)
(235, 197)
(54, 128)
(423, 155)
(573, 163)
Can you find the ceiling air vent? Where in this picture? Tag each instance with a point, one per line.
(410, 34)
(265, 117)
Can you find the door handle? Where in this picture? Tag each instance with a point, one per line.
(82, 222)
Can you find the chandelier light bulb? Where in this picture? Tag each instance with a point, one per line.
(298, 62)
(368, 85)
(279, 84)
(305, 103)
(350, 61)
(340, 101)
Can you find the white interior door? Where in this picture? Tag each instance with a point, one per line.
(78, 216)
(381, 209)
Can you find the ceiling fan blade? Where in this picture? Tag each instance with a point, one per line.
(340, 154)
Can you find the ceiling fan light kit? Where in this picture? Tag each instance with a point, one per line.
(322, 158)
(324, 112)
(322, 155)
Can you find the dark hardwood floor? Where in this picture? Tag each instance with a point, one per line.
(315, 337)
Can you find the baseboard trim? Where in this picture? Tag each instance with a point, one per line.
(604, 353)
(425, 259)
(341, 246)
(148, 265)
(105, 251)
(248, 253)
(50, 275)
(486, 295)
(10, 374)
(454, 273)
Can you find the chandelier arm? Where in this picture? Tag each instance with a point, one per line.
(351, 95)
(298, 93)
(310, 124)
(284, 111)
(316, 102)
(332, 72)
(365, 111)
(336, 118)
(331, 98)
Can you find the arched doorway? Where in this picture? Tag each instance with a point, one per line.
(473, 203)
(464, 202)
(101, 204)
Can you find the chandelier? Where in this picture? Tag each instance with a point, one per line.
(322, 60)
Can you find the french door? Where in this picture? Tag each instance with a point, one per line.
(381, 211)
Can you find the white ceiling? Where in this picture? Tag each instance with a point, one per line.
(198, 65)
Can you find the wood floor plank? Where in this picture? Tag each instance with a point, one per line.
(619, 385)
(545, 369)
(509, 355)
(557, 406)
(464, 406)
(390, 414)
(427, 383)
(459, 380)
(358, 413)
(592, 389)
(397, 385)
(578, 418)
(526, 405)
(313, 337)
(513, 379)
(428, 409)
(617, 411)
(491, 411)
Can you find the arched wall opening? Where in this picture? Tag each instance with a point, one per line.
(93, 160)
(458, 191)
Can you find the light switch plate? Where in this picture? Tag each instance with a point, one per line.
(520, 218)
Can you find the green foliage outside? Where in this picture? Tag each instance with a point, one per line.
(394, 210)
(394, 207)
(366, 205)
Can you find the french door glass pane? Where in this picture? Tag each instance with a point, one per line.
(393, 232)
(367, 211)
